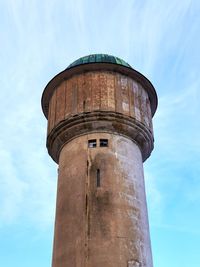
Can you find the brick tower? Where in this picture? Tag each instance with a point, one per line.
(99, 113)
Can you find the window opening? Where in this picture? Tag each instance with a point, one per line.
(84, 105)
(98, 178)
(103, 142)
(92, 143)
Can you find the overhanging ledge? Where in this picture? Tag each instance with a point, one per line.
(99, 121)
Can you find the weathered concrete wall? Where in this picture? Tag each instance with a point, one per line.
(99, 90)
(107, 225)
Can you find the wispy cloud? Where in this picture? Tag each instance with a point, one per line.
(12, 189)
(27, 186)
(176, 123)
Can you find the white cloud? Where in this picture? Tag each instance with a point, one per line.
(176, 123)
(12, 189)
(155, 197)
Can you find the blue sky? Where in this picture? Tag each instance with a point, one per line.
(38, 39)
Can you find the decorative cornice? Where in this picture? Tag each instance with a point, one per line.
(99, 121)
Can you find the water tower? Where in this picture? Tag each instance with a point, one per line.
(99, 112)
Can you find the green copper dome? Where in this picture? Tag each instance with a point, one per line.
(99, 58)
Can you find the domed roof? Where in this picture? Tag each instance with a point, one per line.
(99, 58)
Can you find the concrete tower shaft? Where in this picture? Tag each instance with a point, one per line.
(99, 114)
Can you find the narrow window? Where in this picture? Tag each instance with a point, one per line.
(92, 143)
(84, 105)
(98, 178)
(103, 142)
